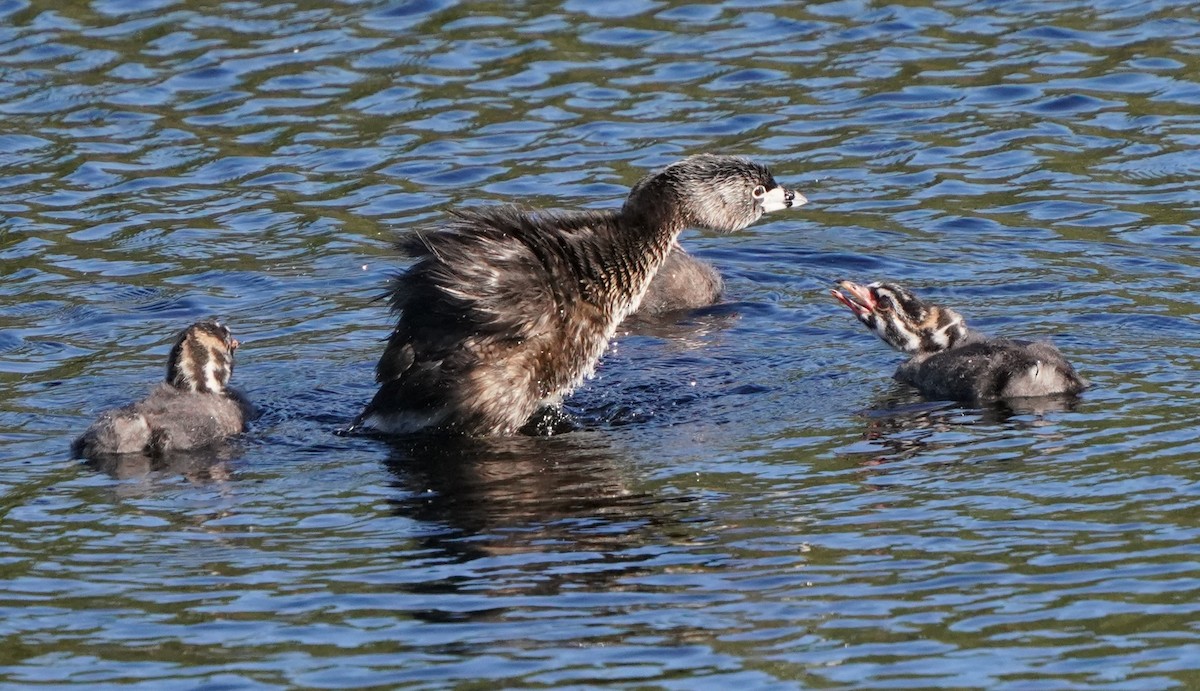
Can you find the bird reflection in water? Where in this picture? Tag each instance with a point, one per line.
(901, 425)
(538, 514)
(210, 464)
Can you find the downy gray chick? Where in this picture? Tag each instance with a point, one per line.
(194, 407)
(950, 361)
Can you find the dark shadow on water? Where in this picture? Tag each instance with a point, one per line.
(211, 463)
(904, 423)
(516, 493)
(536, 515)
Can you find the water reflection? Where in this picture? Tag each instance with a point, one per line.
(520, 494)
(901, 425)
(209, 464)
(1035, 161)
(532, 516)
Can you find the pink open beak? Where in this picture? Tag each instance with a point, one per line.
(862, 303)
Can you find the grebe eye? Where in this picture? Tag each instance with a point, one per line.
(759, 192)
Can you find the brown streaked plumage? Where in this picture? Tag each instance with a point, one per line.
(507, 309)
(950, 361)
(194, 407)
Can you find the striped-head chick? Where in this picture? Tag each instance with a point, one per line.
(901, 319)
(202, 358)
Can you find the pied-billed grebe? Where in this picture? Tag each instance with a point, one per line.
(506, 309)
(950, 361)
(194, 407)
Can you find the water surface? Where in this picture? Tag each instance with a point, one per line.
(750, 499)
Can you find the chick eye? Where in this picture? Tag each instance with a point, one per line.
(759, 192)
(883, 302)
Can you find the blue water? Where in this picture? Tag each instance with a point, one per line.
(750, 499)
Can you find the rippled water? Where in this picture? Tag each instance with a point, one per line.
(752, 500)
